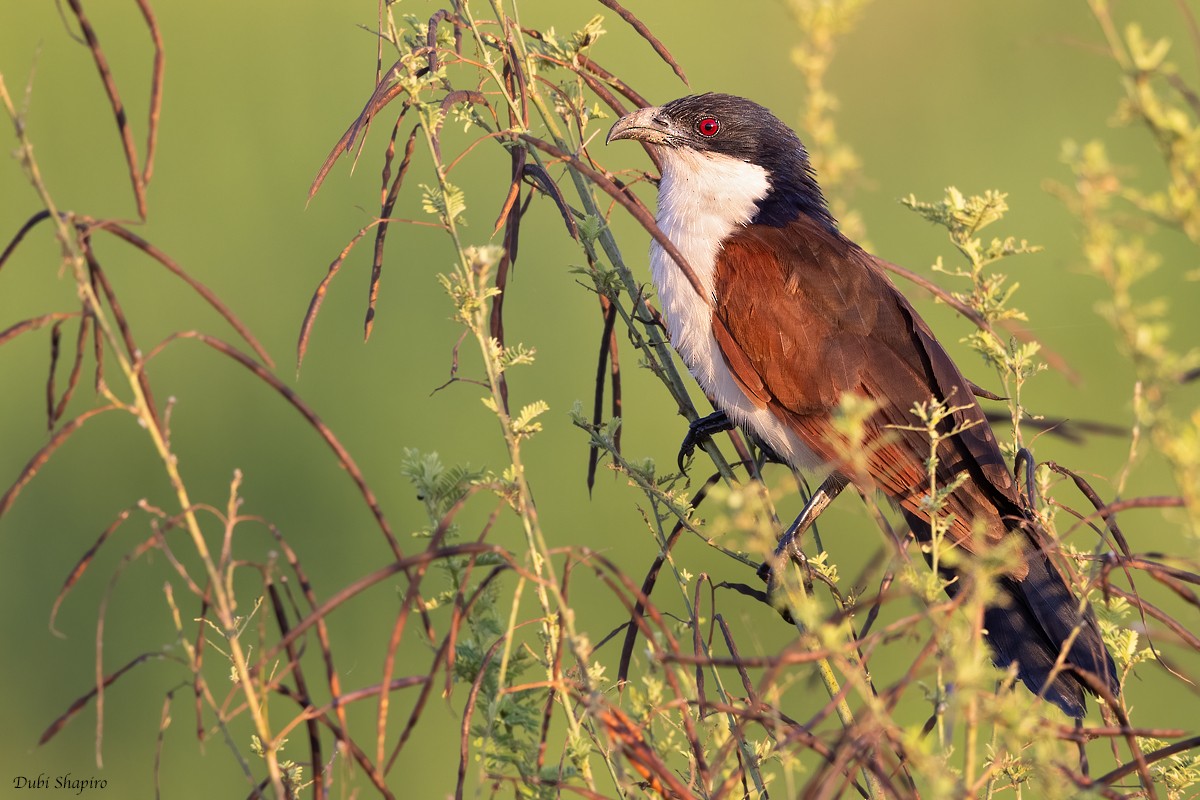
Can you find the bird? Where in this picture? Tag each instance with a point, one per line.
(781, 315)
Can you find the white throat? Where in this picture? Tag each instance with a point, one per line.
(702, 199)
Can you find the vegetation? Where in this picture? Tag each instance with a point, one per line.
(680, 701)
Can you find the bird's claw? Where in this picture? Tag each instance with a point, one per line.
(787, 550)
(700, 430)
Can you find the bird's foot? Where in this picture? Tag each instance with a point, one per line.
(788, 550)
(700, 430)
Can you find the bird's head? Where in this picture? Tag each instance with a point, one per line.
(705, 128)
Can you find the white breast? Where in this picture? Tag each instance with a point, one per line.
(702, 199)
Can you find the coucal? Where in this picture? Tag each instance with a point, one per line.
(791, 315)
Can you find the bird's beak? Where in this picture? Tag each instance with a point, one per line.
(643, 125)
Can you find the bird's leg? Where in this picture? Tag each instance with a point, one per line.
(789, 544)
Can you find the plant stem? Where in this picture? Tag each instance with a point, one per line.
(222, 600)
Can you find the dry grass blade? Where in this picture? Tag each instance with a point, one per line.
(344, 458)
(384, 94)
(601, 91)
(29, 225)
(443, 656)
(385, 212)
(101, 681)
(114, 97)
(156, 94)
(1165, 570)
(645, 33)
(33, 323)
(1071, 430)
(615, 81)
(55, 342)
(108, 680)
(40, 458)
(667, 643)
(81, 567)
(642, 605)
(355, 752)
(318, 298)
(743, 675)
(375, 577)
(164, 722)
(99, 280)
(199, 288)
(353, 696)
(464, 735)
(542, 180)
(76, 370)
(411, 600)
(1087, 734)
(331, 674)
(1146, 608)
(1149, 758)
(98, 359)
(606, 341)
(199, 684)
(303, 697)
(514, 190)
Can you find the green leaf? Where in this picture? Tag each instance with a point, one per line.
(448, 204)
(524, 424)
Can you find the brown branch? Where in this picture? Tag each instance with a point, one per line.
(32, 324)
(314, 733)
(323, 642)
(103, 289)
(40, 458)
(199, 288)
(609, 310)
(1148, 758)
(645, 33)
(318, 297)
(81, 567)
(76, 369)
(114, 98)
(383, 94)
(29, 225)
(61, 721)
(343, 456)
(156, 94)
(385, 211)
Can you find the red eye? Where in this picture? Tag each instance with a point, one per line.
(708, 126)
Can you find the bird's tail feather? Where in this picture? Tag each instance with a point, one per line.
(1030, 626)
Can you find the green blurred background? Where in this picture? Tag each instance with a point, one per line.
(933, 93)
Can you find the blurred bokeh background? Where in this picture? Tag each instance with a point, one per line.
(933, 93)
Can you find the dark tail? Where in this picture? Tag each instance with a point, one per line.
(1029, 627)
